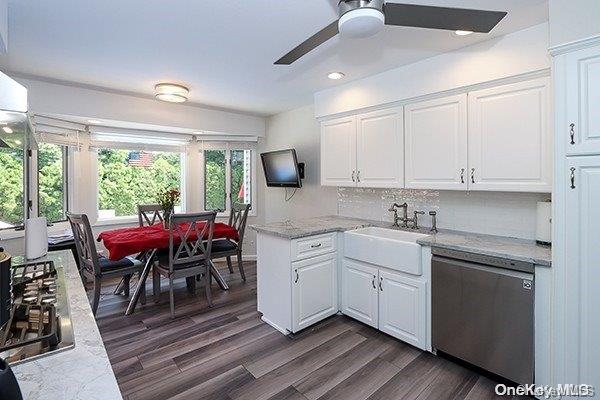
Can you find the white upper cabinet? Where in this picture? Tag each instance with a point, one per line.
(436, 143)
(582, 132)
(338, 152)
(509, 141)
(380, 149)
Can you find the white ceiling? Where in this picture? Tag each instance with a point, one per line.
(223, 50)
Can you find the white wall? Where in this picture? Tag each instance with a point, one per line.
(52, 98)
(300, 130)
(515, 54)
(3, 26)
(571, 20)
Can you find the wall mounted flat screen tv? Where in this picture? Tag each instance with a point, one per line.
(281, 168)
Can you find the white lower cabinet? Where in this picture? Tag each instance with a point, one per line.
(389, 301)
(402, 308)
(314, 290)
(360, 292)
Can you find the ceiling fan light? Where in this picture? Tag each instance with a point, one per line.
(361, 23)
(171, 92)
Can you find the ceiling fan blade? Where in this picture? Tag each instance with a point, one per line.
(441, 17)
(310, 44)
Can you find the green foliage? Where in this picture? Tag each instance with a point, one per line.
(11, 195)
(51, 192)
(214, 177)
(121, 187)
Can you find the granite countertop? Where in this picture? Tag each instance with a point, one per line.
(83, 372)
(498, 246)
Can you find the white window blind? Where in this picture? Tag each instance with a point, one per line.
(113, 138)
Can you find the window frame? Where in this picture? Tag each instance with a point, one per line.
(129, 219)
(228, 147)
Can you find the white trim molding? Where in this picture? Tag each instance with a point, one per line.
(574, 45)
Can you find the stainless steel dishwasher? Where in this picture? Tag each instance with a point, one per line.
(483, 312)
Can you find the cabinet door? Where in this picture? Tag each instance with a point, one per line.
(359, 291)
(582, 231)
(380, 149)
(436, 144)
(509, 140)
(314, 290)
(338, 152)
(402, 308)
(582, 132)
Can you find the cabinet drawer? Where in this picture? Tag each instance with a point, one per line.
(313, 246)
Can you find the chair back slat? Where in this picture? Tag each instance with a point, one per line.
(84, 243)
(238, 218)
(190, 238)
(150, 214)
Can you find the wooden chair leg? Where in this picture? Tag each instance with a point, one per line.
(229, 265)
(207, 283)
(171, 298)
(126, 285)
(96, 300)
(241, 266)
(156, 285)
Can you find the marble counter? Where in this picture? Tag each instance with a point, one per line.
(498, 246)
(83, 372)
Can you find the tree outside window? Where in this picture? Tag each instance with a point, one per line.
(52, 188)
(12, 197)
(128, 178)
(227, 179)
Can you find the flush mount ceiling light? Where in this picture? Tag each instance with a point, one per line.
(7, 129)
(462, 33)
(171, 92)
(336, 75)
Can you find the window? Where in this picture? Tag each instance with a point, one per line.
(52, 183)
(227, 178)
(12, 196)
(127, 178)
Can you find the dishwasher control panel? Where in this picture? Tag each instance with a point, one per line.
(485, 260)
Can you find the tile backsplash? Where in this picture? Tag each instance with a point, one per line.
(494, 213)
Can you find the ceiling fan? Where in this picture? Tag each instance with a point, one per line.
(364, 18)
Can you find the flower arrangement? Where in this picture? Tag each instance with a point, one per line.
(167, 201)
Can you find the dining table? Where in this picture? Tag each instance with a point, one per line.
(146, 241)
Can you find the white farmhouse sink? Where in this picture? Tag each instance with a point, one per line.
(388, 248)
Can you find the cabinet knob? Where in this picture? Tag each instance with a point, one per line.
(381, 284)
(462, 175)
(353, 176)
(472, 175)
(572, 133)
(573, 177)
(373, 282)
(297, 276)
(358, 176)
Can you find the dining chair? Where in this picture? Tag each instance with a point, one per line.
(95, 266)
(149, 214)
(190, 243)
(227, 247)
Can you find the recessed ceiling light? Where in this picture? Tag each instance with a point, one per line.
(7, 129)
(462, 33)
(94, 121)
(171, 92)
(336, 75)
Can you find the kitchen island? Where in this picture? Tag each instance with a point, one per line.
(83, 372)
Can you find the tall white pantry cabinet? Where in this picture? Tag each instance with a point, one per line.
(576, 258)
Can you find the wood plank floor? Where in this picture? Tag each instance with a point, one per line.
(227, 352)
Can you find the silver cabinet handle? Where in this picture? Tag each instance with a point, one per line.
(462, 175)
(573, 177)
(572, 133)
(472, 175)
(381, 284)
(297, 276)
(358, 176)
(353, 177)
(373, 282)
(315, 246)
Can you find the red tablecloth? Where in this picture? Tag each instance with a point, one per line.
(127, 241)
